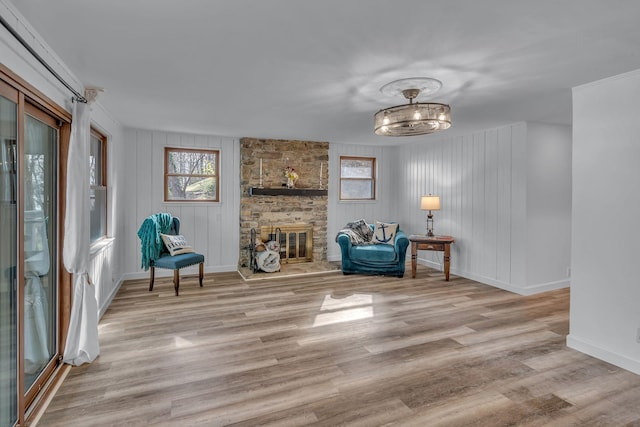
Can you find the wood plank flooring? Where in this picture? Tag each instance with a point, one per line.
(334, 350)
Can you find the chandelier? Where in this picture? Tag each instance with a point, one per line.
(414, 118)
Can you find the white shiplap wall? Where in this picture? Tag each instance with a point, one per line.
(384, 208)
(482, 180)
(101, 272)
(605, 319)
(211, 228)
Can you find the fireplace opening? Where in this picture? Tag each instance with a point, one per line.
(295, 240)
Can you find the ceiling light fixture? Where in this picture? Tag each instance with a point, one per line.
(419, 118)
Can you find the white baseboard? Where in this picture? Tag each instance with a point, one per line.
(520, 290)
(161, 272)
(591, 349)
(107, 303)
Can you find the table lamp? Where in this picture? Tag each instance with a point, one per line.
(430, 203)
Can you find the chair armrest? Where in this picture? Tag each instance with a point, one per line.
(401, 243)
(344, 241)
(401, 238)
(345, 246)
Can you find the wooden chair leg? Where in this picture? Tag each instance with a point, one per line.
(201, 272)
(151, 277)
(176, 280)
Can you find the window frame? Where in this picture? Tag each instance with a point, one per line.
(373, 178)
(167, 175)
(103, 179)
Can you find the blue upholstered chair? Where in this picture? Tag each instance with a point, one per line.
(373, 258)
(175, 262)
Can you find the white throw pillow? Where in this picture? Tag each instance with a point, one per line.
(385, 232)
(176, 245)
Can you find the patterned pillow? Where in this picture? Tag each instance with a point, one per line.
(385, 232)
(176, 245)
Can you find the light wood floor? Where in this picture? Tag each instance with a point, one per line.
(335, 350)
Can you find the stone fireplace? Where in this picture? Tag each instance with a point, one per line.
(276, 207)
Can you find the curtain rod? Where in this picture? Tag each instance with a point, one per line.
(23, 42)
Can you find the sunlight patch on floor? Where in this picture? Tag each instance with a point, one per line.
(182, 343)
(347, 309)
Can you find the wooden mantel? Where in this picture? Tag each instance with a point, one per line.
(283, 191)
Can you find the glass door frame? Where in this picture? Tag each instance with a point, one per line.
(13, 95)
(30, 100)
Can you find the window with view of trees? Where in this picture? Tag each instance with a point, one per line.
(98, 186)
(191, 175)
(357, 178)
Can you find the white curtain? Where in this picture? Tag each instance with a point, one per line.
(82, 339)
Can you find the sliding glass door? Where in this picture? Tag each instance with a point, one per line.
(30, 322)
(40, 207)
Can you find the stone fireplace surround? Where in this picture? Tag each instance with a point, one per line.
(257, 211)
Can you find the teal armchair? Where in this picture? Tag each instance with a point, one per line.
(382, 259)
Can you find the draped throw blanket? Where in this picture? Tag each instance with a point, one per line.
(359, 232)
(149, 233)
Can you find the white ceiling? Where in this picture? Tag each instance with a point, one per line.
(296, 69)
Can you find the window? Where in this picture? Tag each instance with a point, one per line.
(357, 178)
(191, 175)
(98, 186)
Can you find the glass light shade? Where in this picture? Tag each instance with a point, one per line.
(418, 118)
(430, 203)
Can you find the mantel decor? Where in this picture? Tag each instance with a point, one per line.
(291, 175)
(284, 191)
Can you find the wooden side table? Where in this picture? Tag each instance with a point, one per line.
(435, 243)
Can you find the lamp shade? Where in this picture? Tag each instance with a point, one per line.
(430, 203)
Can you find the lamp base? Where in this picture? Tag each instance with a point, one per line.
(430, 225)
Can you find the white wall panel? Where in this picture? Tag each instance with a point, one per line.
(382, 209)
(503, 206)
(605, 295)
(477, 243)
(518, 196)
(482, 180)
(548, 207)
(464, 239)
(201, 223)
(101, 274)
(490, 227)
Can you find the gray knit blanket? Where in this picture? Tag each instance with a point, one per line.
(359, 232)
